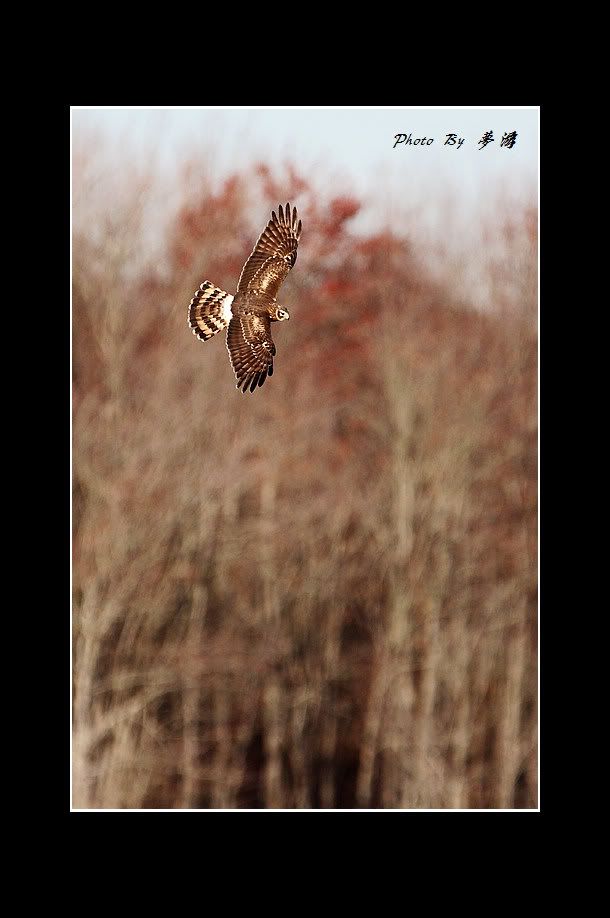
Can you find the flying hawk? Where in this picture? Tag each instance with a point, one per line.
(248, 315)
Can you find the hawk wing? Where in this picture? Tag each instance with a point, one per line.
(251, 350)
(274, 254)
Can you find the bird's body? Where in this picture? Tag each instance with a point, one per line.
(248, 315)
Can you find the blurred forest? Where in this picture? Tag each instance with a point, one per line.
(324, 594)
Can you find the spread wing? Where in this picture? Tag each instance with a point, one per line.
(274, 254)
(251, 350)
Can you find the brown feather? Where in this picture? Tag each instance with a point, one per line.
(251, 350)
(207, 313)
(274, 254)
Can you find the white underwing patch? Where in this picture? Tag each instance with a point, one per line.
(226, 313)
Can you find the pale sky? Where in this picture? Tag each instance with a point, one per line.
(348, 145)
(348, 150)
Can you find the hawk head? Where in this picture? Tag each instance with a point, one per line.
(280, 314)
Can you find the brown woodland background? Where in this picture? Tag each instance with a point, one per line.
(322, 595)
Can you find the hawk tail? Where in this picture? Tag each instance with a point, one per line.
(209, 311)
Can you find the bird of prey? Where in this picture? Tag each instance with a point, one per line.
(248, 315)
